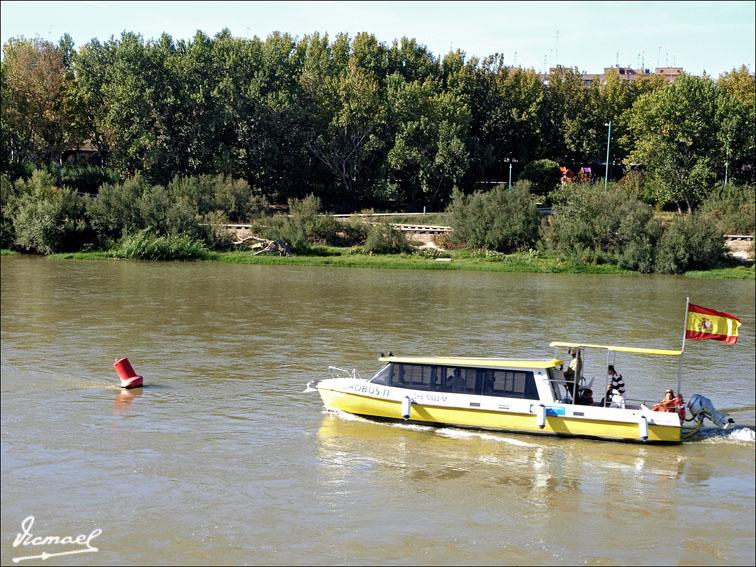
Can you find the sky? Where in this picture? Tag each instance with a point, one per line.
(711, 37)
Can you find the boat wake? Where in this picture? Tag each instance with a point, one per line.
(450, 432)
(742, 435)
(467, 434)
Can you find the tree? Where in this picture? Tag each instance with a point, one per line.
(428, 156)
(349, 112)
(34, 114)
(678, 138)
(738, 117)
(505, 117)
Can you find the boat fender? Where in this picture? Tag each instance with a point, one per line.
(540, 412)
(643, 426)
(406, 407)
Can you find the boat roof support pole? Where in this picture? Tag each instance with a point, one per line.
(682, 350)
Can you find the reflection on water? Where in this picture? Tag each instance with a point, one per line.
(222, 458)
(124, 399)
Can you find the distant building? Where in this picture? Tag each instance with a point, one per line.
(624, 73)
(669, 73)
(84, 153)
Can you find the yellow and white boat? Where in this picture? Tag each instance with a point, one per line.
(527, 396)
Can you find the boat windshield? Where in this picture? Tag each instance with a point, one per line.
(382, 376)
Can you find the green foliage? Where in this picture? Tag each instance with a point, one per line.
(8, 198)
(681, 133)
(148, 246)
(351, 232)
(216, 236)
(591, 225)
(733, 208)
(385, 239)
(86, 178)
(48, 219)
(304, 225)
(180, 208)
(501, 220)
(117, 209)
(544, 174)
(692, 242)
(234, 197)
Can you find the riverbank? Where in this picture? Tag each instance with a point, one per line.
(451, 260)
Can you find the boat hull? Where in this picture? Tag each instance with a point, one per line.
(478, 418)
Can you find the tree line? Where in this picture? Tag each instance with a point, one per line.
(358, 122)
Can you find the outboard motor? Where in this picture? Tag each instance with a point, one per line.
(701, 407)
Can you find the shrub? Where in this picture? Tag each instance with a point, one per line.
(385, 239)
(147, 246)
(733, 208)
(692, 242)
(544, 174)
(233, 197)
(87, 178)
(116, 210)
(304, 225)
(46, 218)
(350, 232)
(216, 236)
(501, 220)
(591, 225)
(8, 199)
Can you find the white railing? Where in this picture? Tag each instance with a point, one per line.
(337, 372)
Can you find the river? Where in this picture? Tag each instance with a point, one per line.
(222, 458)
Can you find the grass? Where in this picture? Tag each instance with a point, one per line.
(457, 260)
(732, 273)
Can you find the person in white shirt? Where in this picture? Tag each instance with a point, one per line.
(618, 400)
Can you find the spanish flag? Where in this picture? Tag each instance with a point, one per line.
(704, 323)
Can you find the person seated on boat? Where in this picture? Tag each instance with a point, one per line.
(669, 403)
(585, 398)
(488, 383)
(617, 399)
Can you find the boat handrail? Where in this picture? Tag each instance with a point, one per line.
(337, 372)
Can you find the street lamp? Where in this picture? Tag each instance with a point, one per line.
(510, 161)
(608, 141)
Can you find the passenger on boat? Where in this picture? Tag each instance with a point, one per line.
(585, 398)
(669, 403)
(572, 372)
(618, 400)
(615, 380)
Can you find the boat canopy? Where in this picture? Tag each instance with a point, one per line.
(473, 362)
(619, 348)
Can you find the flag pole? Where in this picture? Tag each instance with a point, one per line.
(682, 350)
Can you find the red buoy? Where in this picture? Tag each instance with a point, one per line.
(128, 377)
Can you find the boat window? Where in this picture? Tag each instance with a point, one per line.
(382, 376)
(458, 380)
(512, 384)
(505, 383)
(415, 376)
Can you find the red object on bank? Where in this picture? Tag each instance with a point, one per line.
(129, 378)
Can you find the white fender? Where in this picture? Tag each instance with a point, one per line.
(540, 412)
(643, 426)
(406, 407)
